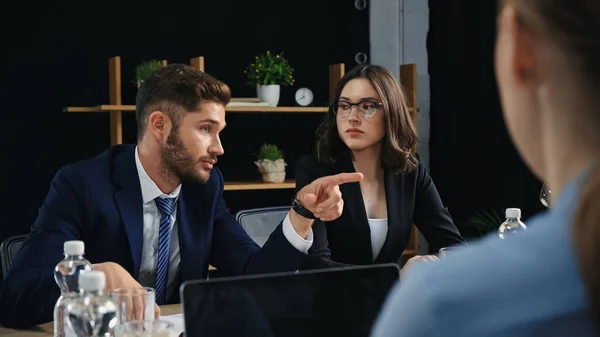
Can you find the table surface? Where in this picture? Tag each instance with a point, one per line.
(47, 329)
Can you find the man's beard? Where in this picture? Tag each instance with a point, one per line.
(176, 162)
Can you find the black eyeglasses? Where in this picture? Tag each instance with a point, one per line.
(367, 109)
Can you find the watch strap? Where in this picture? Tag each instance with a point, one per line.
(301, 210)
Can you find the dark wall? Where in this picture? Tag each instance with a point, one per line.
(55, 54)
(473, 160)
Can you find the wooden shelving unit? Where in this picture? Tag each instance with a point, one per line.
(115, 108)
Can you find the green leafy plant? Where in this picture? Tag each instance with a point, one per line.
(485, 220)
(269, 69)
(145, 69)
(270, 152)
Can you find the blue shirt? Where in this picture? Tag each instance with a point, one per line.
(526, 285)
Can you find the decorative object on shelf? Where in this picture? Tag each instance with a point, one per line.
(271, 164)
(246, 102)
(269, 93)
(144, 69)
(268, 73)
(304, 97)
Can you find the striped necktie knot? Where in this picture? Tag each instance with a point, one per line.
(165, 205)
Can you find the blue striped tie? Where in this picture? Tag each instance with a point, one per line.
(165, 206)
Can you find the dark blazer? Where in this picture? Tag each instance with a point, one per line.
(99, 201)
(411, 198)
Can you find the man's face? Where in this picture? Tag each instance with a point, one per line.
(192, 147)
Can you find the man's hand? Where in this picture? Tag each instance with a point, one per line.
(118, 278)
(418, 259)
(323, 198)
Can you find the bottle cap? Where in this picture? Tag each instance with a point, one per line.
(74, 247)
(513, 212)
(92, 280)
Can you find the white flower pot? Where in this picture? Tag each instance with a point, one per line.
(272, 171)
(269, 93)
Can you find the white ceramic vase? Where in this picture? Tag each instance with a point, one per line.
(269, 93)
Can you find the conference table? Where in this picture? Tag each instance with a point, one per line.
(47, 329)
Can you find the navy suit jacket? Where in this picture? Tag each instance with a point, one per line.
(99, 201)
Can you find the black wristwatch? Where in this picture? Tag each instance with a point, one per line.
(301, 210)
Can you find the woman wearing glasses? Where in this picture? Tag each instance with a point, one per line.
(369, 130)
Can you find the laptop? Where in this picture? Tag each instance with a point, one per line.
(341, 301)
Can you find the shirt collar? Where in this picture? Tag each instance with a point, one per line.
(149, 189)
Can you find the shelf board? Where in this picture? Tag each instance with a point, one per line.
(100, 108)
(291, 109)
(264, 109)
(257, 185)
(81, 109)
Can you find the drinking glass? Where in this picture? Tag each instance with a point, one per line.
(546, 196)
(145, 328)
(134, 304)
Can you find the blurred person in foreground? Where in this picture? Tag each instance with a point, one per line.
(545, 281)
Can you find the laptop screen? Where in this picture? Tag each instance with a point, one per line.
(326, 302)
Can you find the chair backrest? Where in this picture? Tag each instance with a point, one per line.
(8, 250)
(259, 223)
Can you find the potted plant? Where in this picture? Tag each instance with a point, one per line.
(271, 164)
(481, 223)
(268, 73)
(144, 69)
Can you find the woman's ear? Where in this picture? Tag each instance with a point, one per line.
(521, 45)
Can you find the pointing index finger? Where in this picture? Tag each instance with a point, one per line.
(343, 178)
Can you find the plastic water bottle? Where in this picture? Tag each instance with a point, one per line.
(66, 275)
(92, 313)
(512, 224)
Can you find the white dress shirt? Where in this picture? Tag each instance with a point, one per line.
(151, 217)
(379, 229)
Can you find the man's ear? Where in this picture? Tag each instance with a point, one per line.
(159, 124)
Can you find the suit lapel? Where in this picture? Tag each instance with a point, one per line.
(355, 205)
(193, 248)
(394, 213)
(129, 202)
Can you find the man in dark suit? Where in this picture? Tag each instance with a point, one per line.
(153, 214)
